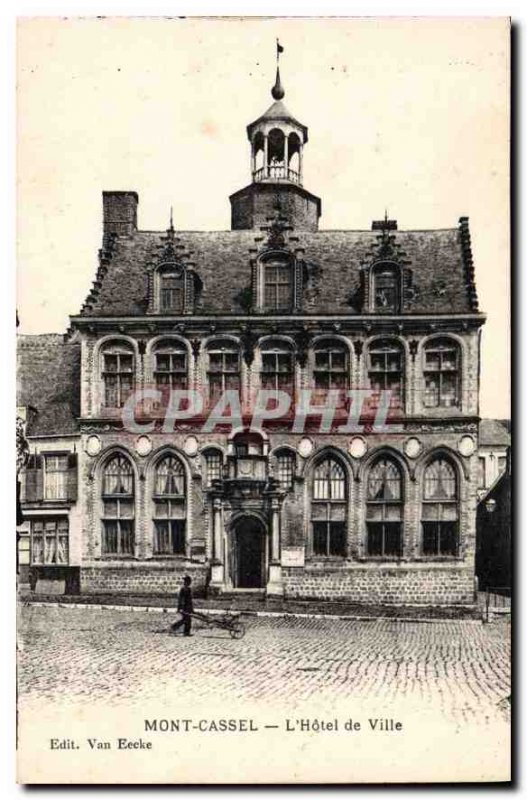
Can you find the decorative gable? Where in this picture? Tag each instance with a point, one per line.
(173, 283)
(277, 270)
(386, 281)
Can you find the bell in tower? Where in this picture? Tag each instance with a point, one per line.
(277, 143)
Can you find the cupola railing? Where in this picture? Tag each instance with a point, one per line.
(276, 172)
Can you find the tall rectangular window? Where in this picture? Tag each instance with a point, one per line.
(329, 509)
(442, 374)
(170, 369)
(224, 371)
(277, 370)
(285, 469)
(386, 295)
(440, 514)
(172, 288)
(56, 477)
(386, 370)
(278, 286)
(118, 376)
(118, 507)
(330, 372)
(169, 507)
(384, 509)
(213, 463)
(481, 473)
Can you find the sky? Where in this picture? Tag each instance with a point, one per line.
(408, 115)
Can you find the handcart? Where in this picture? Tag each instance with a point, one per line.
(227, 622)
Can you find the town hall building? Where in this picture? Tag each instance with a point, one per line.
(380, 508)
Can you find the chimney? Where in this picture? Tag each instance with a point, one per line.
(120, 212)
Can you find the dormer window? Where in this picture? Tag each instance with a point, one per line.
(171, 291)
(386, 290)
(278, 285)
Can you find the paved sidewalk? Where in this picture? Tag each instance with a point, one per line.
(262, 606)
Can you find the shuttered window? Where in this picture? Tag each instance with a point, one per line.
(50, 478)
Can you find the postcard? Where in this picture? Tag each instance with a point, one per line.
(263, 412)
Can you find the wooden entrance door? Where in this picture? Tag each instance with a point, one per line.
(250, 554)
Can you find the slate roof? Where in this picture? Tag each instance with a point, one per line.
(48, 378)
(276, 111)
(493, 432)
(440, 262)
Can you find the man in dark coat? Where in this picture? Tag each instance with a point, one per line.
(185, 608)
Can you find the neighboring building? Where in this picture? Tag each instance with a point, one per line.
(385, 516)
(494, 443)
(494, 551)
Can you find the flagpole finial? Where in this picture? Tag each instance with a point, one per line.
(278, 90)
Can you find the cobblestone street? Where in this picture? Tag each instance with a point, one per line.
(462, 667)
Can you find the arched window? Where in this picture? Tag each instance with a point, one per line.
(276, 152)
(258, 157)
(170, 367)
(169, 507)
(278, 284)
(386, 290)
(277, 367)
(171, 290)
(223, 369)
(329, 509)
(213, 463)
(117, 373)
(440, 509)
(118, 507)
(330, 370)
(384, 509)
(293, 151)
(285, 468)
(386, 369)
(442, 373)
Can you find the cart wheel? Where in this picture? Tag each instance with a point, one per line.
(237, 631)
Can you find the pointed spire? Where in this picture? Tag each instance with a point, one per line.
(278, 90)
(171, 226)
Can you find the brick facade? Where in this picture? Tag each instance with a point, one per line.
(251, 207)
(246, 528)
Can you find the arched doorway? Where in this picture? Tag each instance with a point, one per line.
(248, 553)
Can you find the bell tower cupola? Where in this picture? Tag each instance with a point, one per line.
(277, 143)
